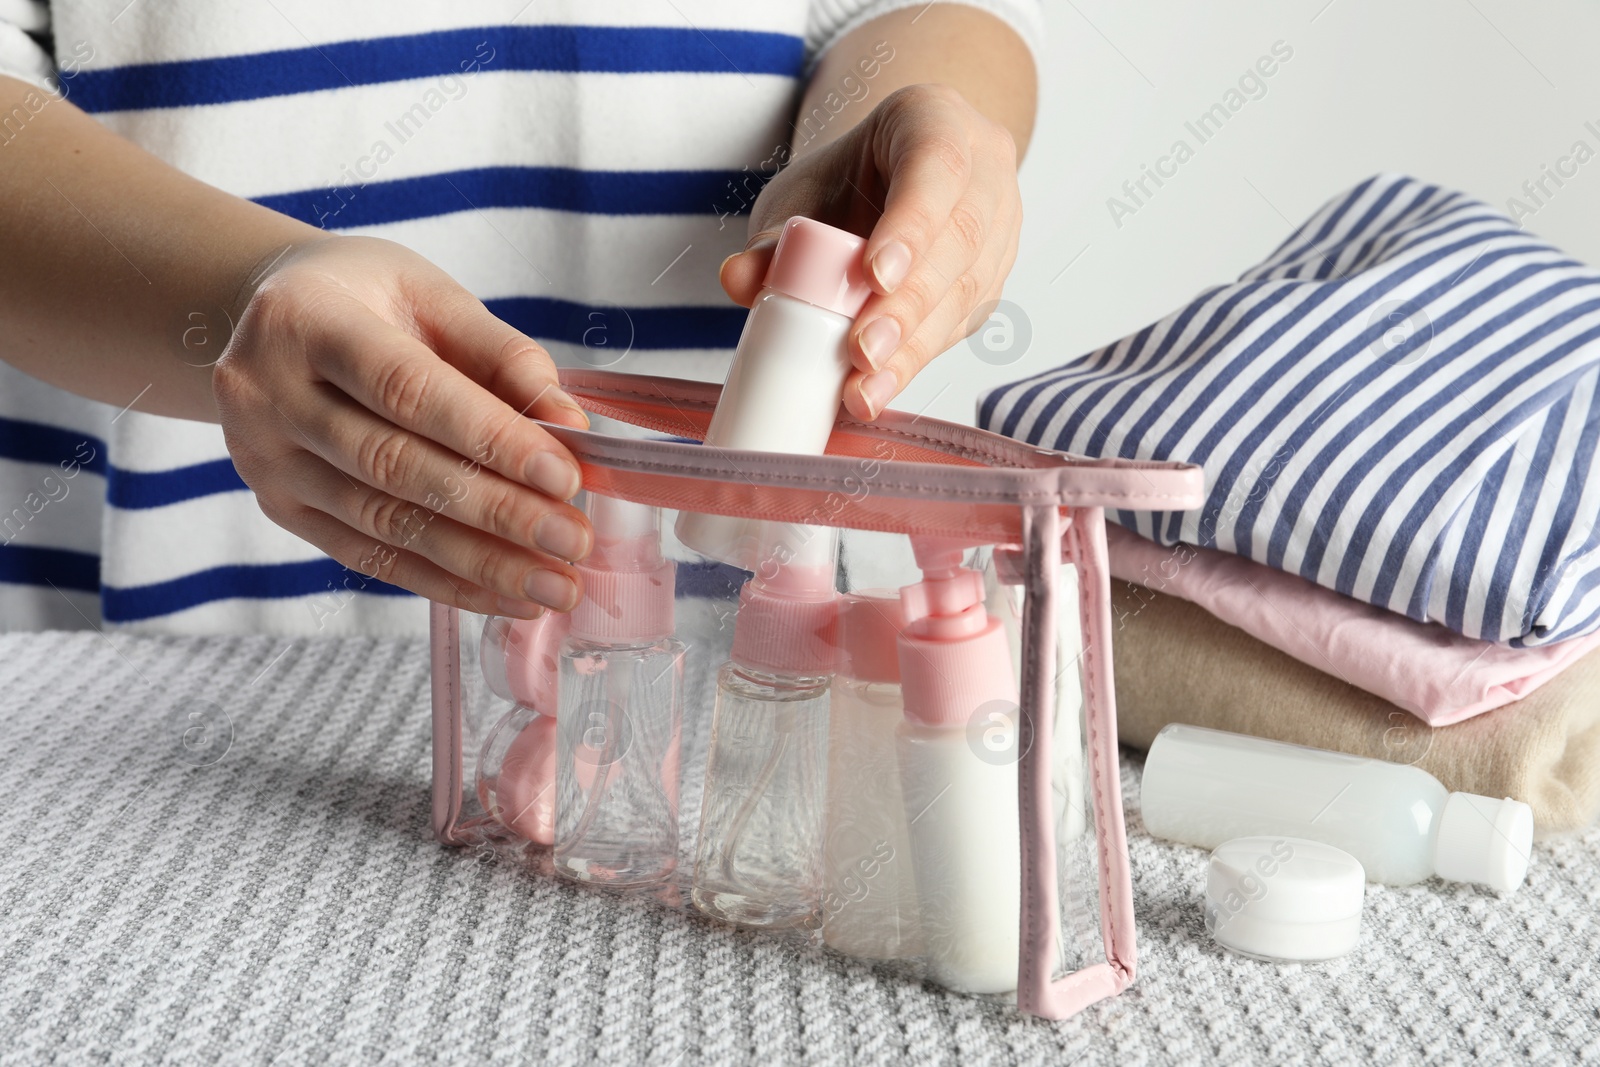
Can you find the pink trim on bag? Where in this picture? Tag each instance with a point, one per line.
(448, 757)
(928, 477)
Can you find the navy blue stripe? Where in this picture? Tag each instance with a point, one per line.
(1330, 221)
(37, 442)
(1561, 533)
(1405, 531)
(1459, 596)
(593, 192)
(276, 581)
(1357, 294)
(258, 581)
(1502, 567)
(1286, 251)
(609, 333)
(372, 61)
(63, 568)
(1330, 262)
(1450, 437)
(1299, 495)
(155, 489)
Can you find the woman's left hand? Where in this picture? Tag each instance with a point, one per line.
(933, 185)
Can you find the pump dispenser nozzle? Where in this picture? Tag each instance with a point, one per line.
(954, 657)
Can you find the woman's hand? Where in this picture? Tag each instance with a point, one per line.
(380, 412)
(933, 183)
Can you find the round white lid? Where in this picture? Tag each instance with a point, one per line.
(1284, 898)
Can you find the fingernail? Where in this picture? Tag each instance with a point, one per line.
(879, 339)
(891, 265)
(554, 476)
(552, 589)
(571, 406)
(516, 609)
(562, 537)
(878, 389)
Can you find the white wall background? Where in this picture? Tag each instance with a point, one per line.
(1477, 95)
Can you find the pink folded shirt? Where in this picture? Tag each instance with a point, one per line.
(1434, 673)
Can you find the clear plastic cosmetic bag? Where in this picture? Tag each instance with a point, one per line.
(877, 719)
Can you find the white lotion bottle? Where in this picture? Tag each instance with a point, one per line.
(960, 790)
(1203, 787)
(787, 379)
(869, 900)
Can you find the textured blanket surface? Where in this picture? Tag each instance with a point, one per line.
(217, 850)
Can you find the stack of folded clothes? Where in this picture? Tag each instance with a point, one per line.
(1397, 414)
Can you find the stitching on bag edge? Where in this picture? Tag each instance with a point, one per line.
(1090, 655)
(1027, 497)
(949, 448)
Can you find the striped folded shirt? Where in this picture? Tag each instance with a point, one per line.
(1399, 404)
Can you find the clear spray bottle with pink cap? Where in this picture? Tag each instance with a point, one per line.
(621, 707)
(787, 378)
(758, 861)
(958, 772)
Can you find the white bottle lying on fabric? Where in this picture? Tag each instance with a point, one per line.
(960, 789)
(1203, 787)
(787, 378)
(869, 899)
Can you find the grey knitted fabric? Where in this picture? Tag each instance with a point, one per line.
(170, 895)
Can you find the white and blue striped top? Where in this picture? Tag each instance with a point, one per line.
(1399, 404)
(581, 167)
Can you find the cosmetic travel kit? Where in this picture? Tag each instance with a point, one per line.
(849, 684)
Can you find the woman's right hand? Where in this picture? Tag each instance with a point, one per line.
(380, 412)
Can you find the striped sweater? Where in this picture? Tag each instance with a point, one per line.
(581, 167)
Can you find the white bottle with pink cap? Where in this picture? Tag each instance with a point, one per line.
(787, 379)
(758, 861)
(869, 901)
(621, 707)
(958, 771)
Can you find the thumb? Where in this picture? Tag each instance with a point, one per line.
(743, 273)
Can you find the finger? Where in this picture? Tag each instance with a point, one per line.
(374, 560)
(924, 148)
(502, 359)
(398, 378)
(743, 273)
(866, 394)
(474, 556)
(408, 466)
(968, 233)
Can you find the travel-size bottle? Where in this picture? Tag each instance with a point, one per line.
(621, 707)
(1203, 787)
(960, 789)
(758, 861)
(869, 900)
(787, 378)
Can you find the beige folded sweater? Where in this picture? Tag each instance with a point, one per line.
(1175, 662)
